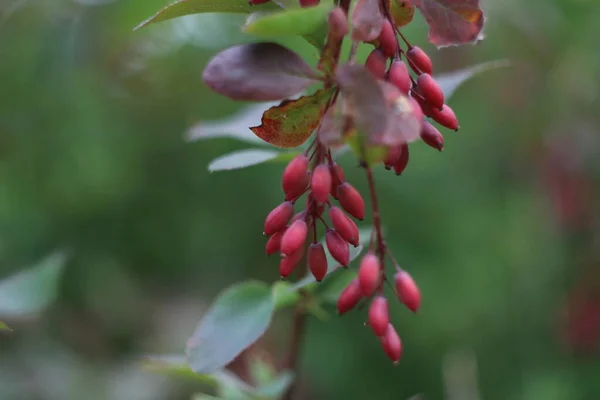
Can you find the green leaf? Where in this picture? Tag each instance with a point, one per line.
(292, 22)
(4, 327)
(276, 388)
(261, 371)
(29, 292)
(247, 158)
(187, 7)
(238, 317)
(450, 81)
(283, 296)
(336, 285)
(176, 365)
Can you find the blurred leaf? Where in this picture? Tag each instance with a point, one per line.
(336, 285)
(283, 296)
(450, 81)
(238, 317)
(292, 122)
(187, 7)
(247, 158)
(258, 72)
(402, 12)
(4, 327)
(294, 22)
(452, 22)
(366, 20)
(203, 396)
(29, 292)
(176, 365)
(262, 372)
(370, 154)
(276, 388)
(317, 311)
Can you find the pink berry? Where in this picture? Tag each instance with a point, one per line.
(391, 344)
(378, 315)
(309, 3)
(368, 274)
(289, 263)
(445, 117)
(402, 161)
(317, 209)
(351, 200)
(431, 91)
(274, 243)
(344, 225)
(419, 61)
(399, 76)
(376, 63)
(349, 298)
(408, 291)
(295, 177)
(317, 261)
(432, 136)
(294, 237)
(337, 178)
(387, 39)
(278, 218)
(320, 184)
(338, 247)
(338, 23)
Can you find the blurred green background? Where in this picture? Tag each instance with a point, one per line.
(500, 230)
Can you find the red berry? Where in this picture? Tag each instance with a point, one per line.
(349, 297)
(387, 39)
(378, 315)
(344, 226)
(320, 183)
(432, 136)
(317, 261)
(274, 243)
(294, 237)
(445, 117)
(430, 90)
(309, 3)
(376, 63)
(295, 177)
(300, 215)
(337, 178)
(289, 263)
(278, 218)
(400, 165)
(368, 274)
(408, 291)
(338, 247)
(399, 76)
(317, 208)
(351, 200)
(419, 61)
(391, 344)
(425, 108)
(393, 155)
(338, 23)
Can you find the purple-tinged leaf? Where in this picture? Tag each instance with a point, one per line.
(403, 125)
(452, 22)
(258, 72)
(367, 20)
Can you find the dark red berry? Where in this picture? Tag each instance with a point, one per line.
(399, 76)
(376, 63)
(419, 61)
(274, 243)
(278, 218)
(387, 39)
(425, 108)
(393, 155)
(378, 315)
(295, 177)
(431, 91)
(408, 291)
(391, 344)
(349, 297)
(294, 237)
(344, 225)
(402, 162)
(368, 274)
(338, 247)
(300, 215)
(317, 261)
(317, 208)
(320, 183)
(309, 3)
(338, 23)
(445, 117)
(337, 178)
(289, 263)
(432, 136)
(351, 200)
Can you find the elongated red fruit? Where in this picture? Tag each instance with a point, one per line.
(368, 274)
(430, 90)
(289, 263)
(294, 237)
(349, 298)
(309, 3)
(408, 291)
(376, 63)
(274, 243)
(399, 76)
(278, 218)
(317, 209)
(338, 23)
(445, 117)
(320, 183)
(338, 247)
(317, 261)
(344, 225)
(402, 162)
(392, 157)
(351, 200)
(295, 177)
(419, 61)
(392, 345)
(337, 178)
(432, 136)
(387, 39)
(416, 96)
(378, 315)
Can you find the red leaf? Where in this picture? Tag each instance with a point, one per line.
(367, 20)
(293, 121)
(452, 22)
(259, 72)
